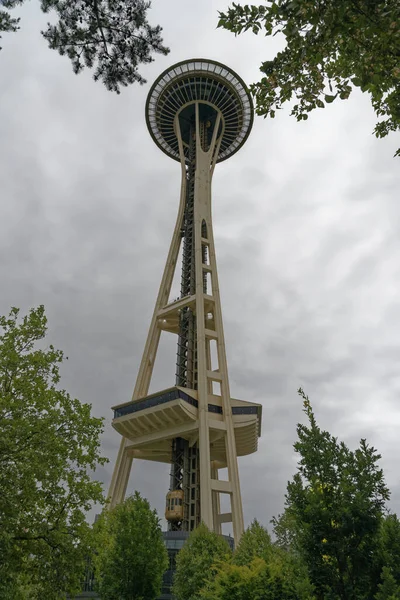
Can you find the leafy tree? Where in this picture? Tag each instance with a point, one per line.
(254, 543)
(111, 36)
(331, 47)
(388, 589)
(284, 531)
(130, 556)
(197, 562)
(275, 578)
(258, 570)
(336, 502)
(49, 443)
(238, 582)
(389, 542)
(388, 559)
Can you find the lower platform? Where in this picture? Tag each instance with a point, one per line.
(151, 423)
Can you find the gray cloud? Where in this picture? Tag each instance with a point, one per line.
(307, 232)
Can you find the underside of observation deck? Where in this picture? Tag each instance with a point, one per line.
(151, 424)
(214, 86)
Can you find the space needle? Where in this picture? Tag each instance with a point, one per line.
(199, 113)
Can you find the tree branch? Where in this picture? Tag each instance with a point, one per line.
(96, 10)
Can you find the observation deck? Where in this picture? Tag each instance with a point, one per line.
(216, 88)
(152, 422)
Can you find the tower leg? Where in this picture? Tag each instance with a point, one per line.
(230, 442)
(120, 478)
(216, 504)
(205, 162)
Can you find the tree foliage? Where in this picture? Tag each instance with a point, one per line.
(274, 579)
(389, 559)
(7, 22)
(196, 563)
(259, 570)
(389, 542)
(336, 502)
(49, 443)
(284, 531)
(241, 582)
(254, 543)
(130, 556)
(388, 589)
(111, 36)
(331, 47)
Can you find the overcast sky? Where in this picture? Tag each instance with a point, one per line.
(306, 221)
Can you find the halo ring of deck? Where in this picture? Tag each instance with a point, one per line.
(199, 80)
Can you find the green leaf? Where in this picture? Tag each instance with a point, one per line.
(196, 562)
(128, 540)
(330, 47)
(267, 67)
(335, 509)
(49, 443)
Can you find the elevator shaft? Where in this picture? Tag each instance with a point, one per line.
(185, 465)
(186, 372)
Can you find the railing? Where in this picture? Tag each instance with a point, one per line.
(176, 394)
(138, 405)
(244, 410)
